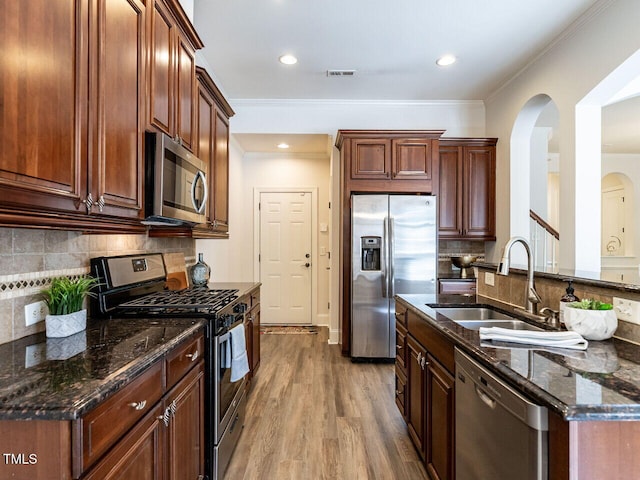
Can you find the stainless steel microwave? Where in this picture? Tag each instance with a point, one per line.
(176, 183)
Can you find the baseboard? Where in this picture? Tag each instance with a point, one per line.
(334, 336)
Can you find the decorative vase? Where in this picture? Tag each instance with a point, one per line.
(200, 272)
(591, 324)
(65, 325)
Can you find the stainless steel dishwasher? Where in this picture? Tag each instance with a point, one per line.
(500, 434)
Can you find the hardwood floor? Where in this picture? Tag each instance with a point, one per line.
(312, 414)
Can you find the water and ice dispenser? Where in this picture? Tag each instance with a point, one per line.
(370, 253)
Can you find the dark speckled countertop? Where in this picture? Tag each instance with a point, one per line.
(62, 378)
(601, 383)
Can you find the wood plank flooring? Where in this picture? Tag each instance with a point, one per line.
(312, 414)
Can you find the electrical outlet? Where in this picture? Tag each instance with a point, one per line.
(490, 279)
(627, 310)
(35, 312)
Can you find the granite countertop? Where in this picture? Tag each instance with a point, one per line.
(62, 378)
(601, 383)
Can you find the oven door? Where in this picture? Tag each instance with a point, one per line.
(227, 393)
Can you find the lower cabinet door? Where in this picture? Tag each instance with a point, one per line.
(138, 456)
(185, 442)
(416, 401)
(440, 427)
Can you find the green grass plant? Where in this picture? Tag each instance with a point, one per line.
(66, 295)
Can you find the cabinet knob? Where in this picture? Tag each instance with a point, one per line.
(193, 356)
(139, 405)
(398, 393)
(165, 417)
(419, 357)
(100, 203)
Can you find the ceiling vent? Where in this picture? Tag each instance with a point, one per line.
(341, 73)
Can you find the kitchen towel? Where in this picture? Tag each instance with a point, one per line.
(239, 358)
(571, 340)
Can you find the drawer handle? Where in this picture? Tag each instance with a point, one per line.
(192, 356)
(138, 405)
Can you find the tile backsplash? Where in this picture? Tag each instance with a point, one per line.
(30, 257)
(450, 248)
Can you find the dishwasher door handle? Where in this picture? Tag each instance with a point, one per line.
(486, 399)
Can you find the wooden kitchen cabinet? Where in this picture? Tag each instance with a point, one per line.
(252, 331)
(467, 188)
(417, 399)
(429, 393)
(440, 421)
(390, 156)
(172, 72)
(70, 134)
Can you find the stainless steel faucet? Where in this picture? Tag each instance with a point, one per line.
(533, 299)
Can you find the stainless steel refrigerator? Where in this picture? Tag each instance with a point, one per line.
(393, 250)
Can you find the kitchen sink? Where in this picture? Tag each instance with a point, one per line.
(472, 313)
(472, 318)
(510, 324)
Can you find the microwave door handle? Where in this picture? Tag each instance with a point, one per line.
(199, 175)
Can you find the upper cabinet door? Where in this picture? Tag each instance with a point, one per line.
(186, 92)
(117, 153)
(161, 67)
(43, 106)
(479, 193)
(412, 159)
(450, 192)
(220, 215)
(370, 158)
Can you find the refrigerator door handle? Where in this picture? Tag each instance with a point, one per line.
(392, 281)
(383, 260)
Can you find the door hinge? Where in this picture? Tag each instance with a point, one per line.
(259, 257)
(329, 205)
(328, 305)
(259, 205)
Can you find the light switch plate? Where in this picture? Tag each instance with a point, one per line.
(490, 279)
(627, 310)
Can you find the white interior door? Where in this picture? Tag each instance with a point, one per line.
(285, 258)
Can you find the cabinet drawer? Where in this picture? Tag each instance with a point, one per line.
(432, 340)
(183, 359)
(105, 424)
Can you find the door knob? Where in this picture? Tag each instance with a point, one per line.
(307, 255)
(307, 264)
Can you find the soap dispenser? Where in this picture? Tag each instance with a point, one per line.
(568, 297)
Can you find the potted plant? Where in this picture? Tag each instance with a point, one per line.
(592, 319)
(65, 298)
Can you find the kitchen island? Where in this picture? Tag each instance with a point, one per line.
(593, 397)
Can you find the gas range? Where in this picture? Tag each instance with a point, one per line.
(135, 285)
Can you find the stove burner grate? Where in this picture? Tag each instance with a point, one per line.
(197, 299)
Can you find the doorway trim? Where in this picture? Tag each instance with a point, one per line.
(257, 191)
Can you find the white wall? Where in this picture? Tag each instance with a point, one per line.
(566, 72)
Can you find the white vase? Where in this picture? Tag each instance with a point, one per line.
(591, 324)
(65, 325)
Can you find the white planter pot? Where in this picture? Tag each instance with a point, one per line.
(65, 325)
(591, 324)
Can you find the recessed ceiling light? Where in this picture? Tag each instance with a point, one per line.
(288, 59)
(446, 60)
(283, 145)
